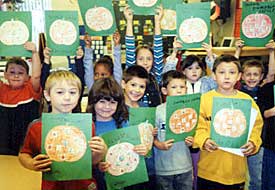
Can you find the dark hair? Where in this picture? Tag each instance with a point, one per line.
(144, 47)
(253, 63)
(227, 59)
(189, 60)
(108, 89)
(170, 75)
(17, 61)
(135, 71)
(107, 62)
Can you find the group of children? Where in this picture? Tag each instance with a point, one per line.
(143, 84)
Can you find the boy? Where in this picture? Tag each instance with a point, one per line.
(63, 90)
(134, 84)
(19, 100)
(218, 169)
(252, 76)
(266, 104)
(173, 162)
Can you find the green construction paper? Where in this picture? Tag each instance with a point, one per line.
(86, 5)
(174, 103)
(140, 9)
(14, 49)
(169, 5)
(62, 49)
(141, 115)
(76, 170)
(139, 175)
(192, 11)
(244, 105)
(266, 8)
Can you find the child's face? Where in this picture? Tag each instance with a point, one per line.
(145, 59)
(16, 75)
(105, 109)
(101, 72)
(193, 72)
(226, 76)
(134, 89)
(252, 76)
(175, 87)
(63, 97)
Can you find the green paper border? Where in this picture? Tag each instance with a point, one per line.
(16, 50)
(62, 171)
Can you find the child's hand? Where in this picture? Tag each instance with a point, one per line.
(159, 14)
(141, 149)
(207, 47)
(176, 44)
(41, 163)
(248, 148)
(128, 13)
(189, 141)
(30, 46)
(155, 132)
(98, 145)
(166, 145)
(87, 40)
(239, 44)
(270, 45)
(79, 53)
(210, 145)
(116, 38)
(103, 166)
(47, 55)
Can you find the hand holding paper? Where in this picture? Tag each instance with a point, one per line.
(248, 148)
(210, 145)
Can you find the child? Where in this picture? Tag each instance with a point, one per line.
(218, 169)
(266, 104)
(106, 103)
(173, 162)
(252, 76)
(104, 67)
(151, 60)
(134, 83)
(19, 100)
(62, 89)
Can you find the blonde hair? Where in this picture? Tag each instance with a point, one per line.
(60, 76)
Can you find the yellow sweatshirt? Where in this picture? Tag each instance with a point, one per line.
(220, 166)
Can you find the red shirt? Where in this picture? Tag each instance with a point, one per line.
(32, 146)
(12, 97)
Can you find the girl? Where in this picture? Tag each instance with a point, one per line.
(151, 60)
(63, 90)
(104, 66)
(106, 103)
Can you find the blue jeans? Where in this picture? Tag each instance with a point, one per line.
(175, 182)
(255, 170)
(268, 174)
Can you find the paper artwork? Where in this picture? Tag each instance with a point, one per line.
(257, 26)
(63, 32)
(193, 30)
(99, 18)
(14, 32)
(230, 122)
(122, 159)
(146, 137)
(168, 22)
(183, 120)
(145, 3)
(65, 144)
